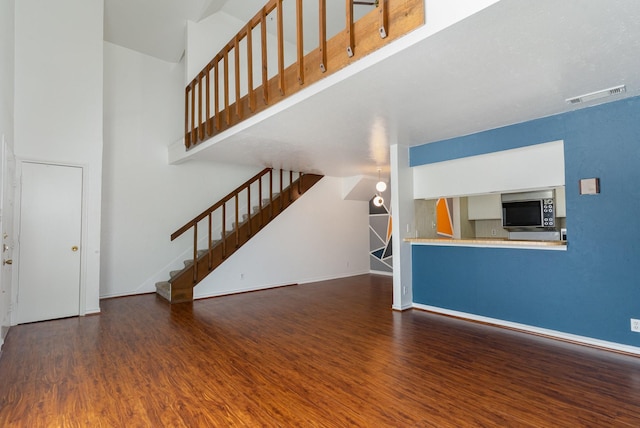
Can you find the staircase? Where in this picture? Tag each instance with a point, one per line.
(247, 220)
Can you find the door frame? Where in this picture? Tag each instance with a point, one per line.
(7, 198)
(82, 309)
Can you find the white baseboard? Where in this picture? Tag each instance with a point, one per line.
(92, 311)
(277, 285)
(246, 290)
(337, 276)
(3, 334)
(126, 294)
(379, 272)
(566, 337)
(239, 291)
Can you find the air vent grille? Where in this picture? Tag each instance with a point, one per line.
(596, 95)
(618, 90)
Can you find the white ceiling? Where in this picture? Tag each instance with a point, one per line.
(154, 27)
(157, 27)
(514, 61)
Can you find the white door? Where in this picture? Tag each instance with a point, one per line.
(49, 242)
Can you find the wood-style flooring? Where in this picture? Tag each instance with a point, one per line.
(329, 354)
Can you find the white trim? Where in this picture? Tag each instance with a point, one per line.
(82, 309)
(277, 285)
(535, 330)
(402, 308)
(243, 290)
(379, 272)
(513, 246)
(136, 292)
(93, 311)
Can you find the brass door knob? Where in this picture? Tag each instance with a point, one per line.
(7, 262)
(74, 248)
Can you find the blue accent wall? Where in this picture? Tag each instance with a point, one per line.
(593, 288)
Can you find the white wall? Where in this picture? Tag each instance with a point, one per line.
(335, 19)
(144, 198)
(321, 236)
(58, 105)
(444, 13)
(6, 68)
(525, 168)
(6, 135)
(207, 37)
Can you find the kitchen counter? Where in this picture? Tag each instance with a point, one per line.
(490, 243)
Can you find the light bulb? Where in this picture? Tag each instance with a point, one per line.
(381, 186)
(378, 201)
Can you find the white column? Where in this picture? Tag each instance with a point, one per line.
(402, 212)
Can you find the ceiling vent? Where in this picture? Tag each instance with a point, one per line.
(596, 95)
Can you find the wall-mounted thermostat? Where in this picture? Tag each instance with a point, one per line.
(589, 186)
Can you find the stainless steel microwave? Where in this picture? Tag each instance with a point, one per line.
(529, 210)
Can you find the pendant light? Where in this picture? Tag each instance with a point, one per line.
(381, 186)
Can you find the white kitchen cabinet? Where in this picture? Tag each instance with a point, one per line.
(485, 207)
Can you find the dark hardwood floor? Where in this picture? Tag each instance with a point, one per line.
(330, 354)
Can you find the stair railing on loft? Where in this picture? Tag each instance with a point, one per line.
(209, 108)
(264, 211)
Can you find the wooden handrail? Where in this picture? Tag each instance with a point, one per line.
(241, 232)
(220, 203)
(247, 222)
(391, 19)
